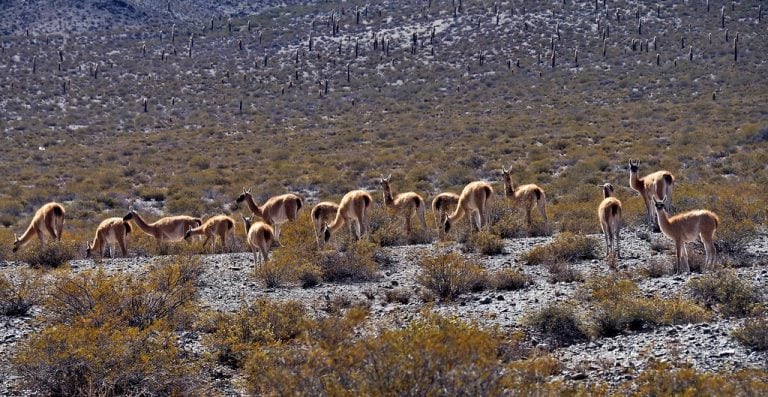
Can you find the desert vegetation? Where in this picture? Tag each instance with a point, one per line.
(172, 107)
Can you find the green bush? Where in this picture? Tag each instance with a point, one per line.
(724, 290)
(449, 275)
(566, 247)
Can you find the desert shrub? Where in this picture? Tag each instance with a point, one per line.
(6, 243)
(753, 333)
(486, 243)
(665, 379)
(51, 255)
(273, 273)
(261, 322)
(735, 236)
(449, 275)
(724, 290)
(656, 267)
(358, 262)
(19, 292)
(509, 279)
(458, 358)
(309, 275)
(398, 295)
(566, 247)
(166, 292)
(114, 334)
(563, 272)
(507, 223)
(577, 216)
(69, 359)
(558, 322)
(620, 306)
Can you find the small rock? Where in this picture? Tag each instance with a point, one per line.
(500, 298)
(578, 376)
(395, 283)
(486, 300)
(726, 353)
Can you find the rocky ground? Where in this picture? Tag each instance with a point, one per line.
(228, 282)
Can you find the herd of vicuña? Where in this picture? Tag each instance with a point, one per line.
(474, 202)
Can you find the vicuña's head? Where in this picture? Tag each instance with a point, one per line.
(88, 250)
(608, 189)
(385, 181)
(243, 195)
(326, 231)
(506, 177)
(188, 233)
(660, 204)
(634, 165)
(248, 221)
(16, 242)
(131, 212)
(447, 224)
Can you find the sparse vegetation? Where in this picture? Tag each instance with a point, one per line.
(18, 294)
(567, 247)
(449, 275)
(52, 255)
(509, 280)
(754, 333)
(560, 322)
(726, 292)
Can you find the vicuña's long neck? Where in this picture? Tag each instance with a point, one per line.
(635, 182)
(337, 223)
(664, 224)
(144, 226)
(606, 192)
(389, 199)
(253, 206)
(28, 234)
(509, 189)
(457, 214)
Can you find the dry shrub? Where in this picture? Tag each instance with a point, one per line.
(114, 335)
(456, 357)
(753, 333)
(260, 323)
(6, 243)
(450, 275)
(620, 306)
(70, 359)
(563, 272)
(398, 295)
(485, 242)
(730, 294)
(507, 223)
(559, 322)
(665, 379)
(51, 255)
(297, 261)
(166, 292)
(566, 247)
(509, 280)
(357, 262)
(19, 292)
(656, 267)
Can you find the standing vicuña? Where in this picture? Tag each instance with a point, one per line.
(216, 226)
(403, 203)
(474, 201)
(686, 227)
(171, 228)
(353, 208)
(609, 213)
(527, 196)
(321, 214)
(260, 237)
(652, 187)
(276, 211)
(109, 232)
(441, 204)
(49, 219)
